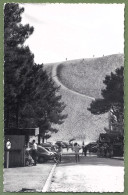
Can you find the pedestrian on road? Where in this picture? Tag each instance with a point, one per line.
(60, 152)
(34, 152)
(76, 150)
(72, 146)
(82, 149)
(85, 150)
(67, 148)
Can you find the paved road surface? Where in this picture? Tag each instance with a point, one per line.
(91, 174)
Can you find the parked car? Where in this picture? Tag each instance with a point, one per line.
(60, 143)
(50, 150)
(43, 155)
(46, 145)
(92, 147)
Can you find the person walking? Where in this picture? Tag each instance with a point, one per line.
(67, 148)
(85, 150)
(76, 150)
(60, 152)
(34, 152)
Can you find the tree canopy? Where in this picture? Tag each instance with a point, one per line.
(31, 98)
(112, 100)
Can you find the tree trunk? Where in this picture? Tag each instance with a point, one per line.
(7, 118)
(109, 120)
(17, 115)
(43, 138)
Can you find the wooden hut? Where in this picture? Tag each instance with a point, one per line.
(19, 139)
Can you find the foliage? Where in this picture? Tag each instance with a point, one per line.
(112, 100)
(18, 62)
(114, 87)
(31, 97)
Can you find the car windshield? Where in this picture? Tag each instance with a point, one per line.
(41, 149)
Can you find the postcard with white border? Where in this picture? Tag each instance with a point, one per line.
(63, 97)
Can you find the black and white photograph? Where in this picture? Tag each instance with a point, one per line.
(63, 97)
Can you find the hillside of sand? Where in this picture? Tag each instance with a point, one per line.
(81, 82)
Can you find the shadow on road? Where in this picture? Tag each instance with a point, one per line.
(69, 160)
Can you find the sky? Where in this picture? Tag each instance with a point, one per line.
(74, 31)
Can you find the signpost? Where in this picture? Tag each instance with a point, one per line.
(8, 146)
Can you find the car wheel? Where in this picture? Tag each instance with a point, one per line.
(42, 159)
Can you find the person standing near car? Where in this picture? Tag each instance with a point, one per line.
(85, 150)
(34, 151)
(76, 150)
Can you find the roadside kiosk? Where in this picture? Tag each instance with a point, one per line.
(15, 143)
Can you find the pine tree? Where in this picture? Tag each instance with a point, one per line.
(18, 62)
(31, 98)
(46, 102)
(112, 100)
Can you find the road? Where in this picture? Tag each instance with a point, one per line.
(91, 174)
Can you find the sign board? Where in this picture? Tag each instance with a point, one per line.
(8, 145)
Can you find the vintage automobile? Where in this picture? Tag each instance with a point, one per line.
(92, 147)
(43, 154)
(61, 143)
(46, 145)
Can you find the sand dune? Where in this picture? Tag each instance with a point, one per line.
(80, 82)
